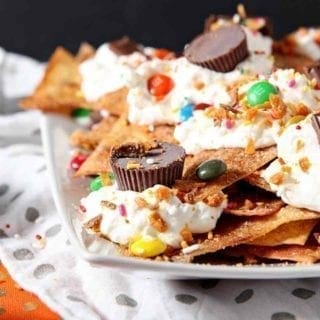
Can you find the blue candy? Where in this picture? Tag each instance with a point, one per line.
(186, 112)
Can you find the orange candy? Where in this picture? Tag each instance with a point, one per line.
(163, 54)
(160, 85)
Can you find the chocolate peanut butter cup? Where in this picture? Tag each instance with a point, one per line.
(220, 50)
(124, 46)
(138, 166)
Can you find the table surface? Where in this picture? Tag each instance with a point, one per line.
(18, 304)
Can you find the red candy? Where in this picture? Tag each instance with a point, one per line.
(201, 106)
(77, 161)
(163, 54)
(159, 85)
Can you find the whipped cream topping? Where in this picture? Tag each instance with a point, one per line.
(201, 132)
(107, 72)
(295, 175)
(122, 228)
(295, 88)
(307, 42)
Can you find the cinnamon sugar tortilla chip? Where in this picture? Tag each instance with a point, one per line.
(296, 232)
(295, 253)
(89, 140)
(246, 200)
(255, 179)
(115, 102)
(239, 165)
(59, 90)
(121, 132)
(85, 52)
(233, 232)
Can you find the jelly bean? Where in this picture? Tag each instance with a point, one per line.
(147, 248)
(96, 184)
(186, 112)
(260, 92)
(211, 169)
(77, 161)
(80, 113)
(159, 85)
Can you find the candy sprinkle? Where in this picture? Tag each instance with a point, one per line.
(292, 83)
(122, 210)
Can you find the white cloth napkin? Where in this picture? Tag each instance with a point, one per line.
(50, 268)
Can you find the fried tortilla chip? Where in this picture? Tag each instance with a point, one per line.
(236, 231)
(89, 140)
(296, 232)
(59, 90)
(239, 165)
(295, 61)
(245, 200)
(295, 253)
(121, 132)
(256, 180)
(115, 102)
(86, 51)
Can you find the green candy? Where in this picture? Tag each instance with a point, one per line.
(96, 184)
(80, 113)
(211, 169)
(260, 92)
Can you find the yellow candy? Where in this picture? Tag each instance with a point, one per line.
(294, 120)
(147, 248)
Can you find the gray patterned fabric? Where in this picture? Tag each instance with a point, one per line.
(48, 266)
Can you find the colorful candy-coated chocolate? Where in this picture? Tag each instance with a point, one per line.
(160, 85)
(77, 161)
(260, 92)
(147, 248)
(80, 113)
(163, 54)
(211, 169)
(201, 106)
(186, 112)
(96, 184)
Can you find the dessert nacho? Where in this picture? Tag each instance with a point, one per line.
(209, 156)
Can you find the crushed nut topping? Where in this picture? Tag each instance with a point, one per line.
(277, 178)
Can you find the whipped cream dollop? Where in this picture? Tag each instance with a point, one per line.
(294, 176)
(295, 88)
(307, 42)
(201, 132)
(107, 72)
(135, 216)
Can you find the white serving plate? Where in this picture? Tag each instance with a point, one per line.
(67, 193)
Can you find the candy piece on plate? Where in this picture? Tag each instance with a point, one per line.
(138, 166)
(60, 88)
(220, 50)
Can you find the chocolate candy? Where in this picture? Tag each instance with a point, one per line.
(124, 46)
(220, 50)
(315, 121)
(260, 92)
(138, 166)
(211, 169)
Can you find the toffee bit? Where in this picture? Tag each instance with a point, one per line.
(229, 108)
(304, 164)
(199, 85)
(299, 145)
(157, 222)
(210, 235)
(286, 169)
(163, 193)
(250, 147)
(215, 200)
(133, 165)
(281, 161)
(186, 234)
(277, 178)
(141, 202)
(108, 204)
